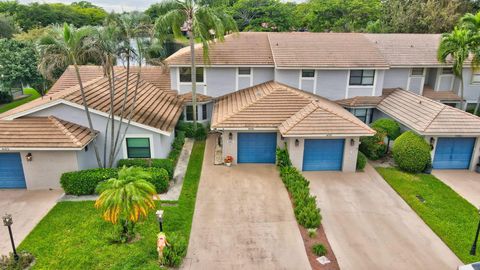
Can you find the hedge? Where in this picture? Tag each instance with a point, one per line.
(177, 146)
(411, 152)
(391, 127)
(373, 146)
(160, 163)
(84, 182)
(304, 205)
(187, 127)
(361, 161)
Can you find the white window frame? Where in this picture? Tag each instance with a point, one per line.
(128, 136)
(440, 76)
(475, 74)
(237, 76)
(200, 112)
(417, 75)
(373, 86)
(314, 79)
(423, 76)
(189, 83)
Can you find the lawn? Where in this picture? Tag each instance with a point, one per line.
(73, 235)
(27, 91)
(449, 215)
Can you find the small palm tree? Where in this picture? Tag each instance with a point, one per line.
(458, 46)
(472, 22)
(68, 46)
(201, 22)
(126, 199)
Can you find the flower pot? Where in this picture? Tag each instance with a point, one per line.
(228, 164)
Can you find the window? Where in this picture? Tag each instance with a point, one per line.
(244, 71)
(138, 148)
(189, 113)
(204, 112)
(361, 114)
(308, 73)
(417, 72)
(362, 77)
(476, 76)
(447, 71)
(186, 74)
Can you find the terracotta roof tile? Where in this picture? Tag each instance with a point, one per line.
(428, 117)
(360, 101)
(42, 132)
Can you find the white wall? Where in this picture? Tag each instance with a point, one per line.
(46, 167)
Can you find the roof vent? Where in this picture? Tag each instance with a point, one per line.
(277, 44)
(411, 46)
(420, 102)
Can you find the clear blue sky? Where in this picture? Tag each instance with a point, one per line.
(113, 5)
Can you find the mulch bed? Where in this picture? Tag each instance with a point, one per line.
(320, 238)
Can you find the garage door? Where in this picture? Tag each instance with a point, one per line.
(453, 153)
(11, 171)
(323, 155)
(257, 147)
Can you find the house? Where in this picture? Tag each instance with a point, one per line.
(49, 136)
(355, 70)
(314, 93)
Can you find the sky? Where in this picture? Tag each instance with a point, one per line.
(112, 5)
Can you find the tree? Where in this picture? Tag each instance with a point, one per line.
(63, 47)
(18, 64)
(457, 46)
(7, 26)
(126, 199)
(340, 15)
(264, 15)
(472, 22)
(201, 22)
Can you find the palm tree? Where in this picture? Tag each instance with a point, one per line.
(63, 47)
(458, 46)
(472, 22)
(201, 22)
(126, 199)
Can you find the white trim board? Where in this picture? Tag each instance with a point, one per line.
(129, 136)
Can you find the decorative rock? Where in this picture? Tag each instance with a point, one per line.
(323, 260)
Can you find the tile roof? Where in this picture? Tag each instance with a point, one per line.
(324, 50)
(323, 118)
(69, 77)
(428, 117)
(440, 95)
(42, 132)
(407, 50)
(187, 97)
(154, 107)
(360, 101)
(246, 48)
(274, 105)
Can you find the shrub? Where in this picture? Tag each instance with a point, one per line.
(25, 260)
(84, 182)
(312, 232)
(160, 179)
(160, 163)
(361, 161)
(283, 159)
(373, 146)
(187, 127)
(391, 127)
(319, 250)
(5, 97)
(174, 253)
(411, 152)
(177, 146)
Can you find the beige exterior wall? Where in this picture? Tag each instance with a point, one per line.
(476, 150)
(296, 152)
(46, 167)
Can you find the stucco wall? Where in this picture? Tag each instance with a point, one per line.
(262, 74)
(46, 167)
(416, 84)
(332, 83)
(289, 77)
(220, 81)
(396, 77)
(75, 115)
(470, 91)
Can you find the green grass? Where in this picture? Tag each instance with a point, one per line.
(27, 91)
(73, 235)
(448, 214)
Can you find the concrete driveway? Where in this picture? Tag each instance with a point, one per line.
(243, 220)
(466, 183)
(27, 209)
(370, 227)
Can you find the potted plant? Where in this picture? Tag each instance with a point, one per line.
(228, 160)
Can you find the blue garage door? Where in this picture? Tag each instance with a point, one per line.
(11, 171)
(257, 147)
(453, 153)
(323, 155)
